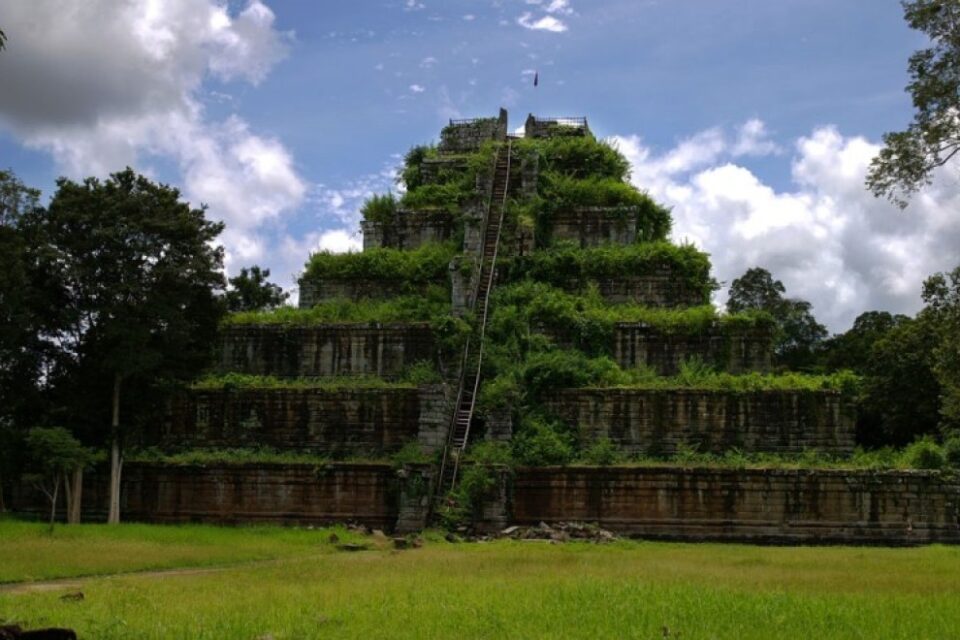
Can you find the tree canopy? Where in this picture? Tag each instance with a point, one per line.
(250, 291)
(909, 157)
(798, 332)
(138, 283)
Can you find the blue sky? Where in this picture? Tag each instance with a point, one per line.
(754, 120)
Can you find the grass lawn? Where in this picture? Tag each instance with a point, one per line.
(503, 589)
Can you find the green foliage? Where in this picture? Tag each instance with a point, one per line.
(694, 375)
(941, 293)
(925, 453)
(241, 381)
(454, 184)
(379, 208)
(576, 157)
(250, 291)
(201, 457)
(602, 453)
(951, 451)
(852, 349)
(540, 441)
(410, 453)
(588, 322)
(428, 264)
(798, 335)
(54, 451)
(564, 262)
(421, 373)
(559, 192)
(409, 308)
(909, 157)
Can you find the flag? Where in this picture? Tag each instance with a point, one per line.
(536, 78)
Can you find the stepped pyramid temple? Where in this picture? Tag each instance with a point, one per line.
(519, 342)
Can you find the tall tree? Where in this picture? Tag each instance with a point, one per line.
(141, 284)
(941, 292)
(852, 349)
(250, 291)
(908, 158)
(798, 332)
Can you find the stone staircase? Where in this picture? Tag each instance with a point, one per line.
(473, 352)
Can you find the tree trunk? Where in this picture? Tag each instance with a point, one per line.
(53, 502)
(74, 489)
(116, 460)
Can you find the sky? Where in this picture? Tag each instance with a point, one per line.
(755, 121)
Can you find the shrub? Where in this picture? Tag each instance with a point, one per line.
(540, 441)
(601, 453)
(566, 262)
(428, 264)
(433, 303)
(379, 208)
(951, 451)
(925, 453)
(578, 157)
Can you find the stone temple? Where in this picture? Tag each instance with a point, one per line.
(532, 250)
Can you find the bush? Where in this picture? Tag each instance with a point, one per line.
(379, 208)
(566, 262)
(434, 303)
(601, 453)
(951, 451)
(578, 157)
(540, 441)
(925, 453)
(429, 264)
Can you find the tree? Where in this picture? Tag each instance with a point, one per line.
(54, 455)
(941, 292)
(250, 291)
(140, 281)
(852, 349)
(908, 158)
(798, 332)
(901, 397)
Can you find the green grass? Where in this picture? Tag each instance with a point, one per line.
(522, 590)
(30, 553)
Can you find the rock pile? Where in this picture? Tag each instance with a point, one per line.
(560, 532)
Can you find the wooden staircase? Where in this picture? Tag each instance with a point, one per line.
(473, 351)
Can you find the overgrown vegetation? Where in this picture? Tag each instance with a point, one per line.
(409, 270)
(451, 184)
(379, 208)
(434, 303)
(241, 381)
(565, 262)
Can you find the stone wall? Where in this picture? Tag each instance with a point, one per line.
(743, 505)
(408, 230)
(594, 226)
(660, 289)
(660, 421)
(551, 127)
(339, 422)
(383, 350)
(733, 351)
(465, 136)
(291, 494)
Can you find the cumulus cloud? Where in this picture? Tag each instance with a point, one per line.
(826, 237)
(102, 85)
(417, 88)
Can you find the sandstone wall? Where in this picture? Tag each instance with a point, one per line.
(338, 422)
(660, 289)
(660, 421)
(728, 350)
(595, 226)
(325, 350)
(290, 494)
(408, 230)
(465, 136)
(784, 506)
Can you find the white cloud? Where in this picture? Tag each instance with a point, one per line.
(546, 23)
(469, 17)
(826, 237)
(428, 62)
(417, 88)
(101, 85)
